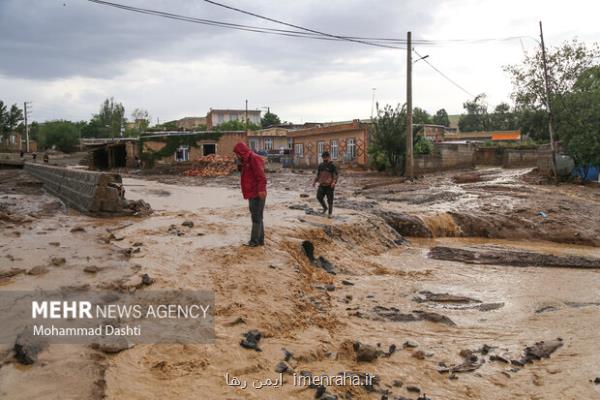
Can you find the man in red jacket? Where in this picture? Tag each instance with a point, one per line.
(254, 188)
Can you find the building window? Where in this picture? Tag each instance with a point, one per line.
(13, 139)
(290, 143)
(351, 149)
(334, 149)
(182, 154)
(268, 143)
(220, 118)
(253, 144)
(299, 150)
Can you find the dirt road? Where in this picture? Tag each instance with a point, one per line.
(424, 327)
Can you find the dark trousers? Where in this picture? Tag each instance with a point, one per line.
(321, 193)
(257, 206)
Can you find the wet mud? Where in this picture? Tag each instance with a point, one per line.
(424, 327)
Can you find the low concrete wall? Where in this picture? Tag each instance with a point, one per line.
(521, 158)
(86, 191)
(445, 157)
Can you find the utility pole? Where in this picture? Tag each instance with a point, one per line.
(372, 101)
(548, 108)
(246, 117)
(409, 112)
(26, 125)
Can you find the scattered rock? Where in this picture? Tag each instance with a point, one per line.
(410, 344)
(112, 345)
(413, 389)
(427, 296)
(138, 244)
(541, 350)
(321, 262)
(397, 383)
(58, 261)
(251, 339)
(347, 283)
(188, 223)
(27, 347)
(174, 230)
(366, 352)
(147, 280)
(92, 269)
(495, 357)
(77, 228)
(330, 287)
(597, 381)
(38, 270)
(283, 367)
(419, 354)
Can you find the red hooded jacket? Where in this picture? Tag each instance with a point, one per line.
(253, 178)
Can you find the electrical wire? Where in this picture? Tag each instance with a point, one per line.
(443, 74)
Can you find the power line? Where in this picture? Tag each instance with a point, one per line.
(443, 74)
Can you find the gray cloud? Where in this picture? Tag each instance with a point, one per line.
(49, 39)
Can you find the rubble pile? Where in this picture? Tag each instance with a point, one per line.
(212, 165)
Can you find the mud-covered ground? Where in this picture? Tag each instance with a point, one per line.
(440, 284)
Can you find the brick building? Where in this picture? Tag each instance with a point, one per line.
(190, 123)
(346, 142)
(14, 143)
(269, 140)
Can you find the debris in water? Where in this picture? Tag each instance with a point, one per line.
(251, 339)
(38, 270)
(426, 295)
(188, 224)
(58, 261)
(321, 262)
(77, 228)
(541, 350)
(27, 347)
(147, 280)
(92, 269)
(366, 352)
(413, 389)
(10, 273)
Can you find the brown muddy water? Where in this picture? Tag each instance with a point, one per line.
(377, 296)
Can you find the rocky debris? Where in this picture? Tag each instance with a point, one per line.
(27, 347)
(92, 269)
(394, 314)
(138, 244)
(471, 363)
(111, 345)
(58, 261)
(541, 350)
(283, 367)
(418, 354)
(38, 270)
(7, 274)
(467, 178)
(347, 283)
(597, 381)
(511, 257)
(495, 357)
(410, 344)
(329, 287)
(397, 383)
(321, 262)
(427, 296)
(424, 397)
(188, 224)
(366, 352)
(147, 280)
(174, 230)
(212, 165)
(138, 208)
(251, 339)
(546, 309)
(413, 389)
(287, 355)
(77, 228)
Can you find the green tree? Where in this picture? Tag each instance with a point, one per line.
(269, 119)
(441, 118)
(421, 116)
(565, 64)
(64, 135)
(476, 118)
(109, 121)
(580, 118)
(141, 120)
(388, 136)
(503, 119)
(10, 119)
(236, 125)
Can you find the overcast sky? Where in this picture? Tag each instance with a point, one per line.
(67, 56)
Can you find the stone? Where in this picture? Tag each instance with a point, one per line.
(92, 269)
(410, 344)
(597, 381)
(366, 352)
(397, 383)
(77, 228)
(419, 354)
(330, 287)
(251, 339)
(27, 347)
(147, 280)
(188, 224)
(413, 389)
(347, 283)
(138, 244)
(58, 261)
(38, 270)
(282, 367)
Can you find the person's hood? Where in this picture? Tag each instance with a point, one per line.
(242, 150)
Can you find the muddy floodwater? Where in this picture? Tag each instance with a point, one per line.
(438, 288)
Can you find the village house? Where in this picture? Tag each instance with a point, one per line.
(176, 147)
(270, 140)
(434, 133)
(483, 136)
(216, 117)
(347, 143)
(15, 142)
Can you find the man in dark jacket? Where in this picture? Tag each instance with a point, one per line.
(254, 188)
(327, 177)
